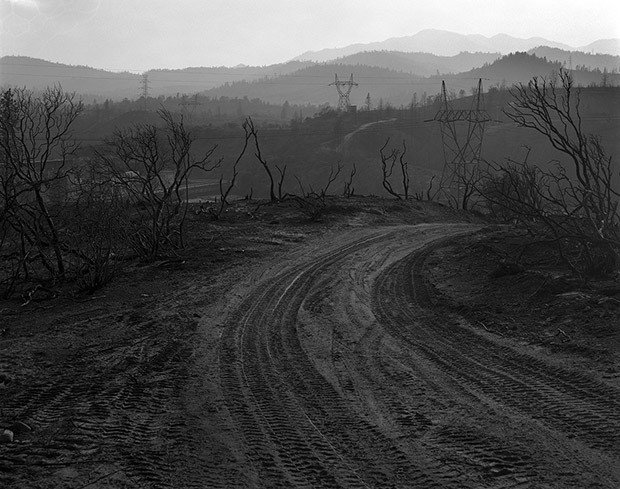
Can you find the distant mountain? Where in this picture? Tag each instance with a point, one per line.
(442, 43)
(521, 67)
(192, 80)
(603, 46)
(394, 76)
(422, 64)
(311, 85)
(92, 83)
(33, 73)
(578, 59)
(398, 87)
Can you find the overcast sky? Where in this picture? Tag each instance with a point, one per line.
(142, 34)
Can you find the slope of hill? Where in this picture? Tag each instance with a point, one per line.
(578, 59)
(311, 84)
(196, 79)
(99, 84)
(20, 71)
(603, 46)
(422, 64)
(521, 67)
(443, 43)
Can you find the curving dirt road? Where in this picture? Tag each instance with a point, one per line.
(331, 363)
(343, 369)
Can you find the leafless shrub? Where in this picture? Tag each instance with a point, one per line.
(96, 237)
(151, 166)
(512, 191)
(429, 195)
(313, 203)
(576, 206)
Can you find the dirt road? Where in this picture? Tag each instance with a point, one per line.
(342, 370)
(328, 362)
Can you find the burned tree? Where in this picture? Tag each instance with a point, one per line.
(249, 123)
(36, 144)
(576, 204)
(388, 163)
(150, 166)
(225, 191)
(349, 189)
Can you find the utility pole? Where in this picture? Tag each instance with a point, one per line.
(344, 102)
(462, 132)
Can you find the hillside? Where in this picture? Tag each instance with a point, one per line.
(603, 46)
(100, 84)
(192, 80)
(421, 64)
(521, 67)
(311, 85)
(443, 43)
(36, 73)
(398, 87)
(394, 76)
(578, 59)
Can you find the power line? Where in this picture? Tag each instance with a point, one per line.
(280, 133)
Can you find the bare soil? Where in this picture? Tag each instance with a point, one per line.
(389, 345)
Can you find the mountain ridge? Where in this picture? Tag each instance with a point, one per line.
(393, 67)
(447, 43)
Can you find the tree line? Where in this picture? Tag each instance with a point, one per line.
(61, 220)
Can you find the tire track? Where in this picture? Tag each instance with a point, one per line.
(297, 430)
(578, 411)
(108, 416)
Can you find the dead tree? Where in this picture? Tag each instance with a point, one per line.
(580, 200)
(36, 143)
(282, 172)
(430, 195)
(388, 163)
(313, 203)
(150, 166)
(331, 178)
(252, 129)
(349, 190)
(225, 192)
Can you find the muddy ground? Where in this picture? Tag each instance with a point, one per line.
(390, 344)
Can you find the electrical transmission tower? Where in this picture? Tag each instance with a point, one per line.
(193, 103)
(144, 89)
(344, 102)
(462, 131)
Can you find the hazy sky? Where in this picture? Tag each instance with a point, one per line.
(141, 34)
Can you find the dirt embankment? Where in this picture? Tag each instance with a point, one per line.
(279, 354)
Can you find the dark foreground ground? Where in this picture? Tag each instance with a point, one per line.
(388, 345)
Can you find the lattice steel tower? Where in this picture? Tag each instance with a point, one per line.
(193, 103)
(344, 102)
(462, 131)
(144, 88)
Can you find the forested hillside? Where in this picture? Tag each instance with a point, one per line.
(399, 88)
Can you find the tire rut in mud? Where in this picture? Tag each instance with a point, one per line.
(113, 417)
(297, 430)
(581, 414)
